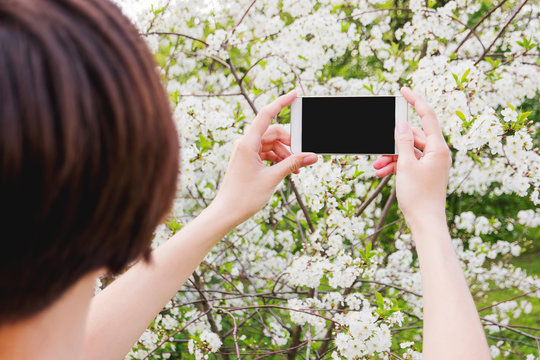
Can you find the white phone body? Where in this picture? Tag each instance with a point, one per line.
(401, 114)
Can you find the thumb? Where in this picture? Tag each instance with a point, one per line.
(293, 163)
(404, 141)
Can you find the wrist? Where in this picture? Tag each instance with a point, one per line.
(223, 213)
(427, 222)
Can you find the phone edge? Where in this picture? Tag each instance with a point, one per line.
(296, 125)
(401, 114)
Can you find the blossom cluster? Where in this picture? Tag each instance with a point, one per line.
(323, 269)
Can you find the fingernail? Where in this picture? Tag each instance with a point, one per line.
(402, 126)
(310, 159)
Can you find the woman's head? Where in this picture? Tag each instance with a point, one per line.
(88, 149)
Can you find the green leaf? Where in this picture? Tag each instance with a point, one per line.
(526, 43)
(380, 76)
(474, 157)
(380, 300)
(523, 116)
(367, 253)
(461, 115)
(174, 225)
(174, 97)
(357, 172)
(493, 63)
(370, 88)
(158, 11)
(204, 143)
(464, 77)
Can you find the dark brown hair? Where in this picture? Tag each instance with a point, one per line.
(88, 149)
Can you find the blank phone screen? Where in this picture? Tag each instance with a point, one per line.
(348, 125)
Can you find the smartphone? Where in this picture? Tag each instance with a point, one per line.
(346, 124)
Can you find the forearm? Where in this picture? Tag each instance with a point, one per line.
(452, 328)
(121, 312)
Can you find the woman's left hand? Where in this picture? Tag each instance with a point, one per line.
(249, 182)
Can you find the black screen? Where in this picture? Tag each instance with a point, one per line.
(348, 125)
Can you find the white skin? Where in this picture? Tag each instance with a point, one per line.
(80, 326)
(452, 328)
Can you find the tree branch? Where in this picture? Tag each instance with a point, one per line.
(176, 34)
(513, 298)
(471, 31)
(512, 16)
(241, 86)
(302, 205)
(206, 308)
(372, 197)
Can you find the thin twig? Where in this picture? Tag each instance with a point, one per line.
(226, 41)
(392, 286)
(234, 332)
(324, 346)
(513, 298)
(173, 334)
(215, 58)
(384, 215)
(512, 16)
(176, 34)
(309, 340)
(206, 307)
(269, 331)
(394, 355)
(302, 205)
(478, 24)
(372, 197)
(510, 328)
(241, 85)
(301, 231)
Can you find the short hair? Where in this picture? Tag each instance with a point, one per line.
(89, 153)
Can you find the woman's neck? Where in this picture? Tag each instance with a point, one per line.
(56, 332)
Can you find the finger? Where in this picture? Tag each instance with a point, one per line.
(418, 154)
(267, 146)
(279, 158)
(383, 161)
(270, 156)
(387, 170)
(426, 113)
(262, 120)
(281, 150)
(404, 141)
(276, 133)
(419, 138)
(293, 163)
(278, 148)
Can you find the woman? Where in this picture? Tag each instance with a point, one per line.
(88, 168)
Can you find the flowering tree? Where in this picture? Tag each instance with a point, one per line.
(327, 269)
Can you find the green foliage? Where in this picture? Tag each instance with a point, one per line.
(174, 225)
(526, 43)
(461, 81)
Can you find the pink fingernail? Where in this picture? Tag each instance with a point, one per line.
(310, 159)
(402, 126)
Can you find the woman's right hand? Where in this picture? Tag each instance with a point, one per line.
(421, 178)
(452, 328)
